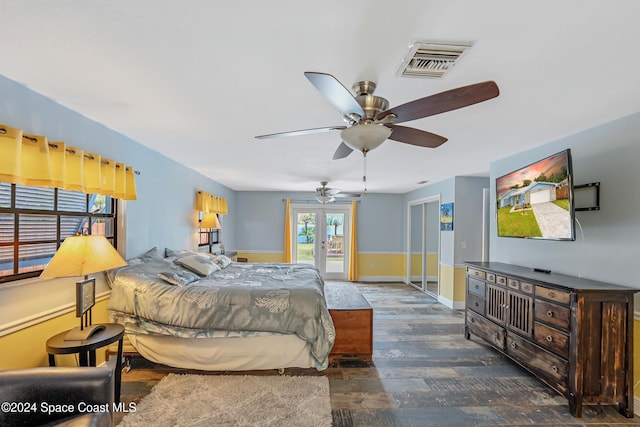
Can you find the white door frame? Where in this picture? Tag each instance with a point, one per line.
(320, 252)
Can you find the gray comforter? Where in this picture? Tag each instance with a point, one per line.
(278, 298)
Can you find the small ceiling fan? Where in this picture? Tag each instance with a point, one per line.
(370, 121)
(325, 194)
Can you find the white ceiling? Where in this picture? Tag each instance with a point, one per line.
(196, 80)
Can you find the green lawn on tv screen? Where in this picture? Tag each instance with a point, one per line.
(517, 224)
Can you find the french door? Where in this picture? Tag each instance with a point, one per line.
(321, 237)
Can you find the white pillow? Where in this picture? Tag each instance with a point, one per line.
(222, 260)
(198, 264)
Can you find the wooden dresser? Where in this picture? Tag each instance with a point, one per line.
(574, 334)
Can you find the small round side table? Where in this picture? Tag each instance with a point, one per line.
(86, 349)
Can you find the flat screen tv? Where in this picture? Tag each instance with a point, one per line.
(536, 201)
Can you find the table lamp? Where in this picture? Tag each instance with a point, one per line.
(80, 256)
(210, 220)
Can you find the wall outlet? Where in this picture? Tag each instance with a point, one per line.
(373, 265)
(463, 244)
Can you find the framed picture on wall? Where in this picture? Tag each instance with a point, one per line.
(446, 217)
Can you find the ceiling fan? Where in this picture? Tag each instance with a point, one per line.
(325, 194)
(370, 121)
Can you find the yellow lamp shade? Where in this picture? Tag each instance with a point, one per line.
(81, 256)
(210, 220)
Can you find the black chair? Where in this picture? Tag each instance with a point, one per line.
(78, 396)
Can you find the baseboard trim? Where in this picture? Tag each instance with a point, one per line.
(454, 305)
(380, 279)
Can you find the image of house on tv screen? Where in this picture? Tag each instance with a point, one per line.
(535, 201)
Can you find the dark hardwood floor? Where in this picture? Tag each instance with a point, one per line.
(424, 373)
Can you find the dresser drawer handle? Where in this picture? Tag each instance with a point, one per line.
(513, 345)
(477, 287)
(473, 320)
(549, 313)
(551, 294)
(554, 368)
(549, 338)
(476, 273)
(477, 305)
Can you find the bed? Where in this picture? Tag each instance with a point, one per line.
(199, 311)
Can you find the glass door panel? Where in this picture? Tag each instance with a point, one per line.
(321, 239)
(305, 238)
(335, 261)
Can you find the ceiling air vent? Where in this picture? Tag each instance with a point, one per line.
(432, 59)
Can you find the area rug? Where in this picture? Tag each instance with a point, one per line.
(234, 400)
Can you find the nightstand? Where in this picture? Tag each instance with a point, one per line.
(86, 349)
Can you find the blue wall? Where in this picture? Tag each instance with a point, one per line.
(163, 215)
(260, 219)
(609, 249)
(465, 241)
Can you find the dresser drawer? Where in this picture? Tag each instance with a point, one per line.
(513, 283)
(485, 329)
(476, 287)
(527, 287)
(552, 314)
(491, 277)
(501, 280)
(477, 273)
(561, 297)
(475, 303)
(549, 367)
(552, 339)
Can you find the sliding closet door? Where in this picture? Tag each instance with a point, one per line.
(423, 244)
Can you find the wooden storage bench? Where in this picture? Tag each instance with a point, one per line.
(353, 319)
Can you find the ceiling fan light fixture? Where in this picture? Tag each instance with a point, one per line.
(365, 136)
(322, 198)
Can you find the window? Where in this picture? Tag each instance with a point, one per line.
(35, 220)
(208, 237)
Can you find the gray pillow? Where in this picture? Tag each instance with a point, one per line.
(200, 264)
(179, 278)
(177, 252)
(151, 255)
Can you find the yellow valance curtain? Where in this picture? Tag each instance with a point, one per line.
(32, 160)
(206, 202)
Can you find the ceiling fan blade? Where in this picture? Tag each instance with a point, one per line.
(346, 195)
(331, 191)
(301, 132)
(338, 95)
(443, 102)
(343, 151)
(415, 136)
